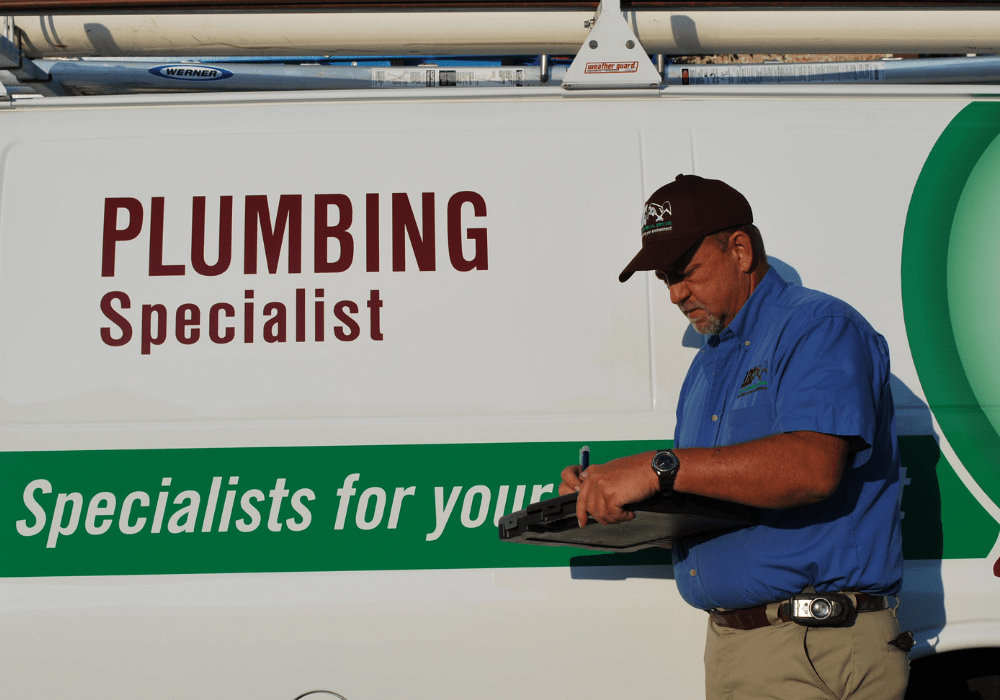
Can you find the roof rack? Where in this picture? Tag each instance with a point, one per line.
(480, 44)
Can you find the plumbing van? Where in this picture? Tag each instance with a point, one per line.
(275, 364)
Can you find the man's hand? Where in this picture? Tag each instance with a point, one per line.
(605, 488)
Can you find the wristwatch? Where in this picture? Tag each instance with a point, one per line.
(666, 466)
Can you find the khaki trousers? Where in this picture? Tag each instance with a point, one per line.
(787, 661)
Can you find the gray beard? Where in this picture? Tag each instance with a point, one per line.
(712, 326)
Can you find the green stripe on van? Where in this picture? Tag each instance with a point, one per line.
(941, 518)
(188, 511)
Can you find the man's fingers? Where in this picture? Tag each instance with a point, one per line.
(624, 516)
(598, 506)
(593, 503)
(604, 489)
(581, 510)
(612, 514)
(571, 475)
(570, 480)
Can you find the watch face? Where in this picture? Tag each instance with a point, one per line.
(665, 461)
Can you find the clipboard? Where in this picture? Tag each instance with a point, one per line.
(659, 521)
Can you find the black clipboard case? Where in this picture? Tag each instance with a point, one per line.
(658, 521)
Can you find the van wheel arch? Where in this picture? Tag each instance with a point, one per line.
(963, 674)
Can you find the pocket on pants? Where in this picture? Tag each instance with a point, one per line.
(830, 652)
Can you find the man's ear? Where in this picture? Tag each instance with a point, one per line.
(741, 247)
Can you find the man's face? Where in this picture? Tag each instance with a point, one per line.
(707, 285)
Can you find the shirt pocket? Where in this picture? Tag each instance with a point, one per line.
(748, 423)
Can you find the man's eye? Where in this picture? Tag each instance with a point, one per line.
(670, 277)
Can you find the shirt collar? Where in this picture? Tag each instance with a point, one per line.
(770, 287)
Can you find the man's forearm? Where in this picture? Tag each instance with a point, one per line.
(780, 471)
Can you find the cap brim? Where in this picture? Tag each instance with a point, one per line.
(659, 255)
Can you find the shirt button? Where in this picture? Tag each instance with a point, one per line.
(747, 343)
(715, 418)
(694, 572)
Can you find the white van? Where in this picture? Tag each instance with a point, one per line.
(274, 365)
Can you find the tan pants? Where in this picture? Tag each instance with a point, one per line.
(787, 661)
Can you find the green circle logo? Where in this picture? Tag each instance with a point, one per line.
(951, 304)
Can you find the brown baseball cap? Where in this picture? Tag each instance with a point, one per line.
(680, 214)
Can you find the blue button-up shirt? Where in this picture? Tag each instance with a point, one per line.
(796, 359)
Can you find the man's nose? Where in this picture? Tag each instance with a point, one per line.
(678, 292)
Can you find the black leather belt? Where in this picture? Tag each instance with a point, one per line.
(752, 618)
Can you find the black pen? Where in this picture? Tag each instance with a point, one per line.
(584, 458)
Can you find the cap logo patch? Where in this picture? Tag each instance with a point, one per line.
(653, 217)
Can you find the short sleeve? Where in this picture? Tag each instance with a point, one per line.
(830, 376)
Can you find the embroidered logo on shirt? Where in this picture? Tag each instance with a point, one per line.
(755, 380)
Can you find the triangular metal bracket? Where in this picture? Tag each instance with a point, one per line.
(12, 59)
(612, 56)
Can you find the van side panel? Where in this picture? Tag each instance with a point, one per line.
(272, 371)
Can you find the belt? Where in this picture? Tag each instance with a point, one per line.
(770, 613)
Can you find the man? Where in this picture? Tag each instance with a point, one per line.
(787, 408)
